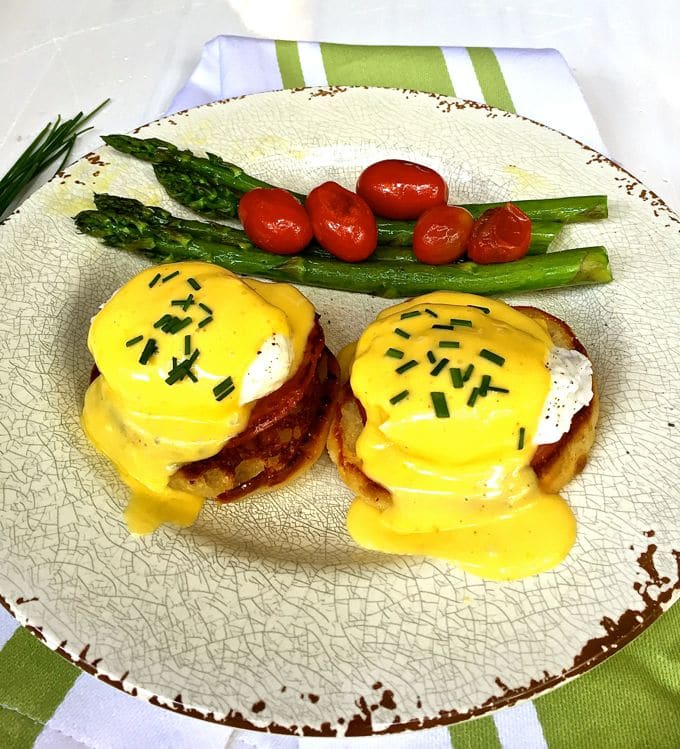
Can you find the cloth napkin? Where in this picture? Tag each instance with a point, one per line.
(631, 700)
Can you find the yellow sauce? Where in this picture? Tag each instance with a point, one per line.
(457, 466)
(148, 427)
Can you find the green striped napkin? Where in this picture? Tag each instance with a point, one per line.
(631, 700)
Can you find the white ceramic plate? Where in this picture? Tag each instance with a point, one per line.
(264, 614)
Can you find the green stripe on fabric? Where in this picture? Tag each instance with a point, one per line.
(490, 78)
(632, 700)
(17, 730)
(33, 679)
(475, 734)
(421, 68)
(288, 58)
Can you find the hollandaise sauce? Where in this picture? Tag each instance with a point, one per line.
(183, 351)
(453, 388)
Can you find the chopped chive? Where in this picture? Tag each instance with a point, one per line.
(431, 357)
(179, 325)
(443, 327)
(134, 340)
(223, 384)
(163, 321)
(154, 280)
(192, 376)
(490, 356)
(441, 408)
(170, 275)
(174, 362)
(398, 397)
(463, 323)
(224, 393)
(195, 285)
(449, 344)
(205, 308)
(205, 321)
(493, 389)
(468, 372)
(406, 315)
(402, 333)
(520, 441)
(149, 350)
(485, 310)
(183, 303)
(484, 385)
(431, 312)
(439, 366)
(182, 369)
(456, 377)
(473, 396)
(405, 367)
(395, 353)
(187, 345)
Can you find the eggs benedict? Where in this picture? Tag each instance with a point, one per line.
(206, 385)
(460, 420)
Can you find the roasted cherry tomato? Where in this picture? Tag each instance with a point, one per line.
(275, 220)
(401, 189)
(441, 234)
(500, 235)
(342, 222)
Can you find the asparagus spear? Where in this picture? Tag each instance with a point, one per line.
(392, 280)
(222, 175)
(542, 232)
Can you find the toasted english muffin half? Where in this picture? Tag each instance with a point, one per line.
(555, 464)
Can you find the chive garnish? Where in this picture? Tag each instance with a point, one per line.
(449, 344)
(224, 388)
(493, 389)
(431, 312)
(183, 303)
(441, 408)
(195, 285)
(431, 357)
(182, 369)
(485, 310)
(405, 367)
(163, 321)
(406, 315)
(492, 357)
(134, 340)
(402, 333)
(170, 275)
(439, 366)
(395, 353)
(205, 321)
(520, 441)
(187, 345)
(456, 377)
(464, 323)
(149, 350)
(442, 327)
(468, 372)
(205, 308)
(154, 280)
(178, 325)
(473, 396)
(398, 397)
(484, 385)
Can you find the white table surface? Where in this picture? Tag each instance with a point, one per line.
(60, 57)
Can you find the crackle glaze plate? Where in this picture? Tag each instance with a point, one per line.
(264, 614)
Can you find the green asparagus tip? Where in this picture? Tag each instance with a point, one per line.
(594, 267)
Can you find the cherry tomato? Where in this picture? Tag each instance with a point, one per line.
(401, 189)
(275, 220)
(500, 235)
(441, 234)
(342, 222)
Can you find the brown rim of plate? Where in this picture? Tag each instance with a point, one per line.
(617, 633)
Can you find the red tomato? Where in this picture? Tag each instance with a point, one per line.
(401, 189)
(500, 235)
(275, 220)
(441, 234)
(342, 222)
